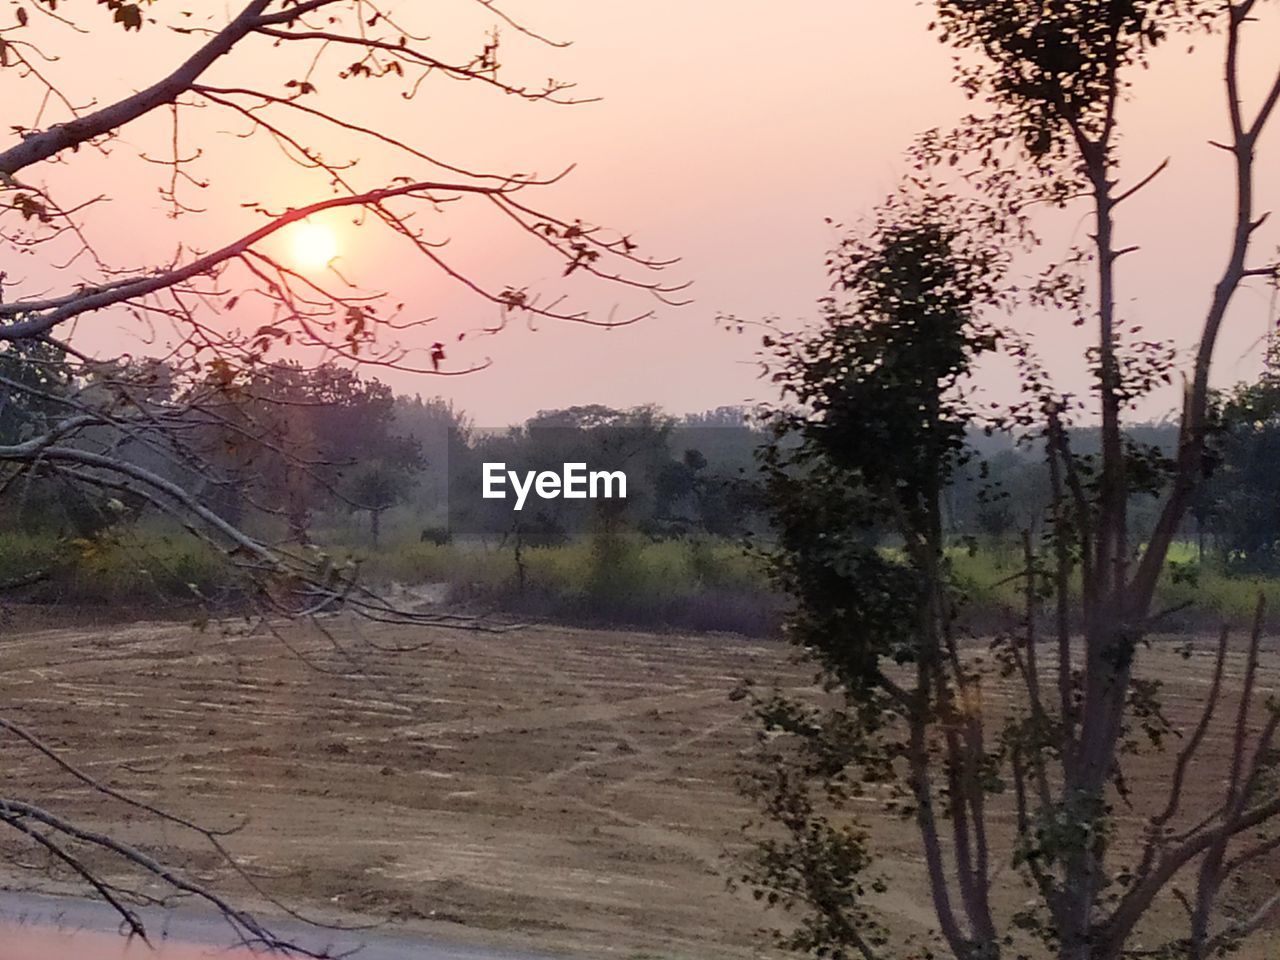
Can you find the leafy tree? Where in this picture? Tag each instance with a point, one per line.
(35, 384)
(695, 496)
(285, 439)
(378, 485)
(911, 720)
(444, 437)
(1241, 505)
(35, 376)
(996, 521)
(877, 430)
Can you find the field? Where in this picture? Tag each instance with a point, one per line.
(565, 790)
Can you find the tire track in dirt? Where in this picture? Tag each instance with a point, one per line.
(569, 786)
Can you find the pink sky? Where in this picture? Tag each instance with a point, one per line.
(727, 132)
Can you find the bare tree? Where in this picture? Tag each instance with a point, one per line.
(132, 428)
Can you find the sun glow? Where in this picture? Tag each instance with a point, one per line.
(314, 245)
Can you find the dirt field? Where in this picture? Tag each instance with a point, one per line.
(571, 788)
(559, 789)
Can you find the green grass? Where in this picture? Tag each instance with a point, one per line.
(1229, 598)
(694, 584)
(25, 554)
(709, 585)
(1188, 589)
(135, 569)
(681, 568)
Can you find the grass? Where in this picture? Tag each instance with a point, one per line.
(675, 567)
(1229, 598)
(1190, 592)
(624, 580)
(136, 569)
(691, 584)
(696, 584)
(24, 554)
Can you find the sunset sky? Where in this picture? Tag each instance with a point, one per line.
(726, 133)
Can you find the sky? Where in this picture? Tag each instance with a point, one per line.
(726, 134)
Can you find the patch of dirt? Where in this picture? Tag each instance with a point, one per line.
(572, 789)
(564, 790)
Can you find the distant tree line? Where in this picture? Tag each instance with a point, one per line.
(1234, 521)
(287, 449)
(685, 477)
(292, 446)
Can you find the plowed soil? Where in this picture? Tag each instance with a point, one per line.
(564, 790)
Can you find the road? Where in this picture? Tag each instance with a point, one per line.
(36, 927)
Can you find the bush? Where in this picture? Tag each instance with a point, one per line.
(135, 569)
(702, 584)
(27, 555)
(614, 578)
(1196, 595)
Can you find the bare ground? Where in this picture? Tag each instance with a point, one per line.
(563, 789)
(572, 788)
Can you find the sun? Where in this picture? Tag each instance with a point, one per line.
(314, 245)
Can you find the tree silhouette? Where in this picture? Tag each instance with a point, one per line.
(882, 423)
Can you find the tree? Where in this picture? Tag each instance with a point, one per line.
(1239, 503)
(219, 312)
(196, 296)
(43, 370)
(300, 432)
(910, 716)
(877, 430)
(379, 486)
(445, 437)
